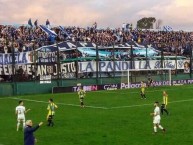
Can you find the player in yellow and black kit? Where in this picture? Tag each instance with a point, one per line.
(81, 95)
(143, 91)
(51, 112)
(165, 103)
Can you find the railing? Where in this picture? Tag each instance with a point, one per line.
(64, 60)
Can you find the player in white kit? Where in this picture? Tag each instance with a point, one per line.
(20, 112)
(157, 118)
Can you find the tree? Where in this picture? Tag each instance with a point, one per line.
(146, 23)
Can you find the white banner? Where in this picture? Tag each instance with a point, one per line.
(104, 66)
(109, 66)
(154, 64)
(90, 66)
(45, 79)
(43, 69)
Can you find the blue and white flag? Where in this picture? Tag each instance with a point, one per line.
(167, 28)
(48, 31)
(64, 31)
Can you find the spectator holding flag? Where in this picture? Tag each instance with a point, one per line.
(48, 23)
(95, 25)
(50, 33)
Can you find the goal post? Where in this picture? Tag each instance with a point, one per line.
(134, 76)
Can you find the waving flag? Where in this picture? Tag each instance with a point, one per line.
(36, 23)
(30, 22)
(64, 31)
(167, 28)
(48, 31)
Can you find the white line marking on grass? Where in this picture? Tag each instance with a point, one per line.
(130, 106)
(157, 89)
(2, 99)
(6, 98)
(106, 108)
(179, 101)
(30, 100)
(140, 105)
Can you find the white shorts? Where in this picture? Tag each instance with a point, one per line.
(21, 118)
(156, 120)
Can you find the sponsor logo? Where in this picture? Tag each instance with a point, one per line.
(111, 87)
(85, 88)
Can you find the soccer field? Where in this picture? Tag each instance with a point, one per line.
(116, 117)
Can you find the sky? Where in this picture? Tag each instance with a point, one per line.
(107, 13)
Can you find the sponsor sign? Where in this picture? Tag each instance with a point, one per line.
(85, 88)
(116, 86)
(110, 87)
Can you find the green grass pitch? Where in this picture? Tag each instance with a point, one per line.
(117, 117)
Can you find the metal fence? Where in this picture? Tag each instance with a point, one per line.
(43, 61)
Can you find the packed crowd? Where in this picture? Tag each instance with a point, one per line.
(172, 43)
(24, 38)
(21, 39)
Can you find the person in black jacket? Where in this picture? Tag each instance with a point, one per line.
(29, 138)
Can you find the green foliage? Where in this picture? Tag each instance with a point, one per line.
(124, 119)
(146, 23)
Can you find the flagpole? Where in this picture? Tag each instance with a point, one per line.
(13, 67)
(191, 60)
(97, 64)
(113, 58)
(76, 61)
(58, 65)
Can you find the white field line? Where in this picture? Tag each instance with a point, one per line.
(141, 105)
(64, 104)
(106, 108)
(6, 98)
(136, 92)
